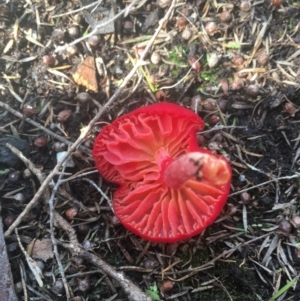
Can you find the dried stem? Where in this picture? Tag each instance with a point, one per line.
(203, 166)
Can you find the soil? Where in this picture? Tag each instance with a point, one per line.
(251, 252)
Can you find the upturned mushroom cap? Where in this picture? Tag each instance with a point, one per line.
(170, 188)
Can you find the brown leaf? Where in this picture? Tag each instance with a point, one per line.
(42, 249)
(85, 74)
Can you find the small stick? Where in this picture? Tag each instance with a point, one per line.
(55, 250)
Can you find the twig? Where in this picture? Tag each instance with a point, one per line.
(222, 127)
(75, 10)
(92, 122)
(267, 182)
(100, 191)
(79, 175)
(52, 230)
(47, 131)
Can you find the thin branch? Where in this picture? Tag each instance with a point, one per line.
(52, 231)
(264, 183)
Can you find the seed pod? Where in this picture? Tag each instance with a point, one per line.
(83, 229)
(181, 23)
(200, 139)
(225, 16)
(166, 286)
(29, 110)
(285, 228)
(194, 63)
(57, 35)
(246, 198)
(245, 6)
(71, 213)
(155, 58)
(263, 59)
(214, 119)
(237, 85)
(238, 60)
(276, 3)
(222, 103)
(64, 115)
(94, 41)
(209, 104)
(73, 32)
(40, 142)
(290, 109)
(252, 90)
(49, 60)
(186, 34)
(211, 28)
(127, 25)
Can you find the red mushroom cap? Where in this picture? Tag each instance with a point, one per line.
(170, 188)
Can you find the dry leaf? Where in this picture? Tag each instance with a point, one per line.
(42, 249)
(85, 74)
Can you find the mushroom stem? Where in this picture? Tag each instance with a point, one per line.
(202, 166)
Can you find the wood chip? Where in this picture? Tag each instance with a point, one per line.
(42, 249)
(85, 74)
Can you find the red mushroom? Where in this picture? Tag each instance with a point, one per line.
(170, 188)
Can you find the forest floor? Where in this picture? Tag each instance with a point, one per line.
(66, 70)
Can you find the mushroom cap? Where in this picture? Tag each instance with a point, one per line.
(134, 152)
